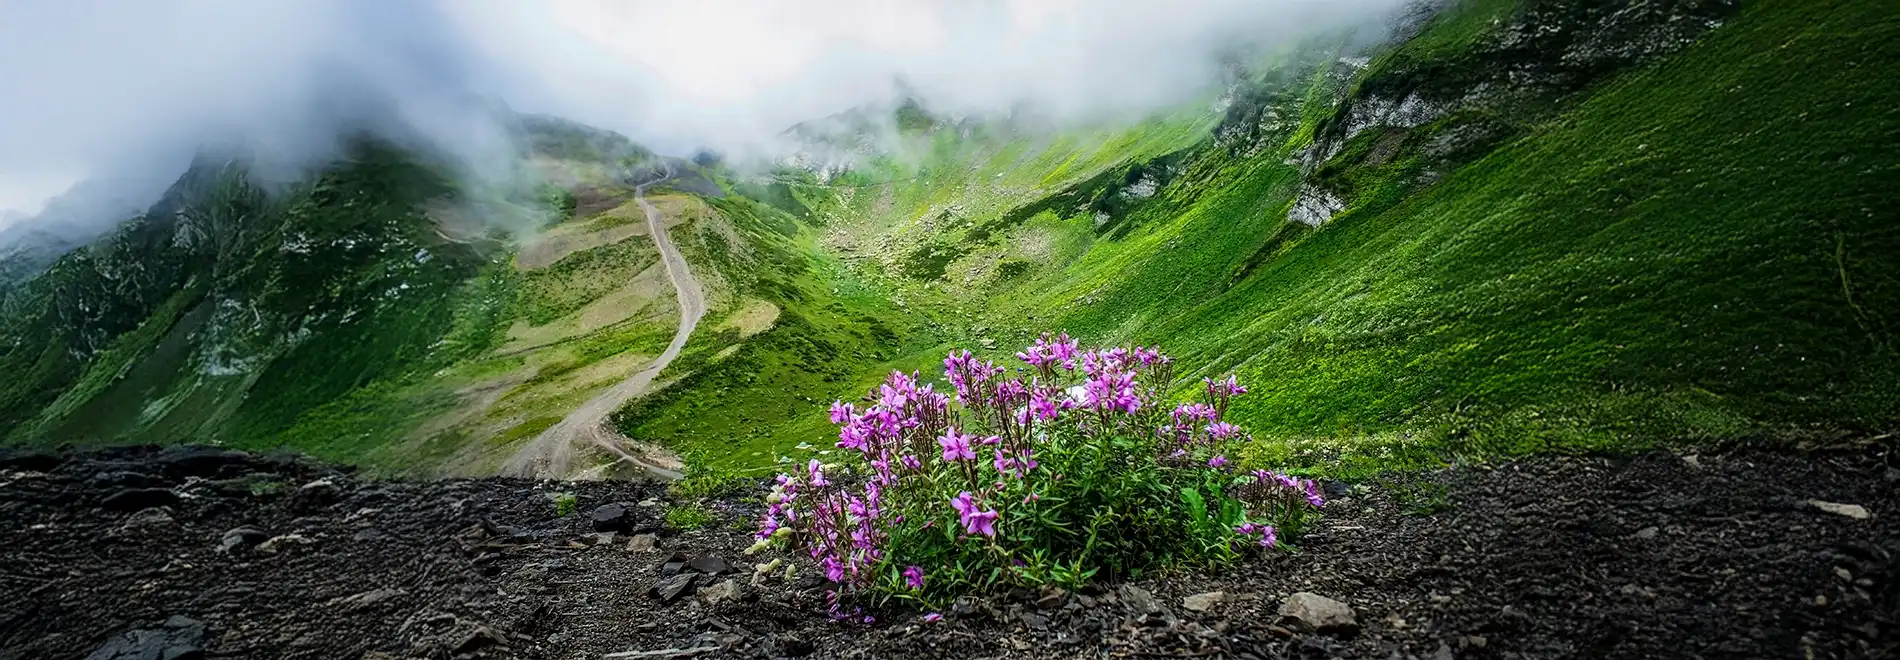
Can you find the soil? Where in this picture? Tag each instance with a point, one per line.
(1658, 555)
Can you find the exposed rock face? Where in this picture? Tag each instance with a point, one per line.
(1315, 206)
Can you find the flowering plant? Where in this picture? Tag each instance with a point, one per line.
(1060, 470)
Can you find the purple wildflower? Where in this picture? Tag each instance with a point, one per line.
(914, 577)
(956, 446)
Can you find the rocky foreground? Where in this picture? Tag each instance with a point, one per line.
(204, 553)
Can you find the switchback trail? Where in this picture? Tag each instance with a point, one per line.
(551, 454)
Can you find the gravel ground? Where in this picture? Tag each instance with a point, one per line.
(197, 552)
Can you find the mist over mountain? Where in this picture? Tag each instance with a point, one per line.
(130, 91)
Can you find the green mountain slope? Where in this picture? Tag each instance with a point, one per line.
(1674, 231)
(1519, 225)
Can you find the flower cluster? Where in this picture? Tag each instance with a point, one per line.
(1007, 475)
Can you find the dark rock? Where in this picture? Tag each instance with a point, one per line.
(794, 647)
(30, 461)
(179, 638)
(616, 517)
(242, 537)
(1035, 621)
(1052, 598)
(674, 563)
(709, 565)
(126, 479)
(1139, 600)
(316, 495)
(480, 638)
(204, 462)
(670, 589)
(1336, 489)
(134, 499)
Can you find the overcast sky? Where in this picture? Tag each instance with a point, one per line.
(127, 89)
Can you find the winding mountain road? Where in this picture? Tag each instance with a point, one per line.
(551, 454)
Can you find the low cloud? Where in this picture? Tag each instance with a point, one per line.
(128, 90)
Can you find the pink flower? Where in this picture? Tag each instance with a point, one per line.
(932, 617)
(817, 472)
(841, 412)
(1217, 461)
(974, 521)
(1268, 537)
(834, 571)
(911, 462)
(956, 446)
(914, 577)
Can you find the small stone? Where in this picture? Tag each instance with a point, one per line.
(1052, 598)
(1854, 511)
(1035, 621)
(643, 543)
(602, 538)
(1843, 574)
(1476, 641)
(1647, 533)
(1318, 613)
(479, 638)
(725, 591)
(135, 499)
(1203, 602)
(276, 544)
(612, 518)
(1139, 599)
(241, 537)
(709, 565)
(367, 599)
(670, 589)
(1693, 461)
(1443, 652)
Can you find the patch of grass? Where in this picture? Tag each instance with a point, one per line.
(687, 517)
(564, 504)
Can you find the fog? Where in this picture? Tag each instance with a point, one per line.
(127, 91)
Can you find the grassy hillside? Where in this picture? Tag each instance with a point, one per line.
(1683, 245)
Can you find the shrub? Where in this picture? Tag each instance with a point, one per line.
(1068, 468)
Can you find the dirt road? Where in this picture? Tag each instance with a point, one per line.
(551, 454)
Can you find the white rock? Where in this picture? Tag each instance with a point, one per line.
(1854, 511)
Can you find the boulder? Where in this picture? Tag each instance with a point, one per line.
(1316, 613)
